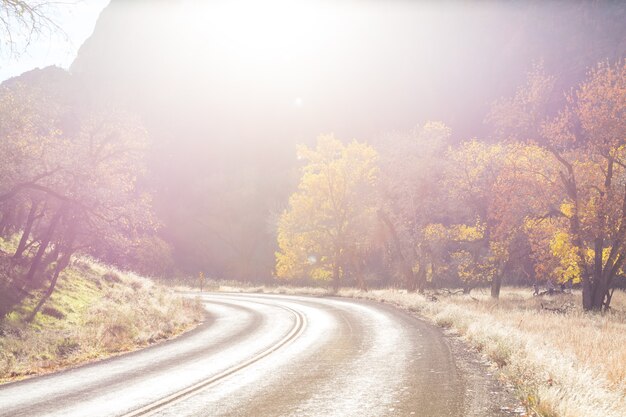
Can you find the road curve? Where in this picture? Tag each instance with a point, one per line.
(265, 355)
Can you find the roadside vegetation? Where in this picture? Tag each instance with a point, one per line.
(562, 361)
(96, 311)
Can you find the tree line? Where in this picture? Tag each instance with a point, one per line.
(542, 200)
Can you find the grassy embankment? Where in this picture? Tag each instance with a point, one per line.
(563, 362)
(95, 312)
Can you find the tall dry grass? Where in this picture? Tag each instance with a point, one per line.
(96, 312)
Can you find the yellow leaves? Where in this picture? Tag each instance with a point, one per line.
(499, 251)
(467, 233)
(321, 274)
(475, 156)
(474, 269)
(458, 232)
(285, 264)
(435, 131)
(435, 231)
(567, 209)
(333, 210)
(470, 266)
(566, 254)
(518, 117)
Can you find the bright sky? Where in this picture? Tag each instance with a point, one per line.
(77, 20)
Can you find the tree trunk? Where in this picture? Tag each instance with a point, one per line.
(496, 284)
(358, 272)
(600, 294)
(569, 183)
(34, 266)
(419, 281)
(32, 214)
(49, 258)
(596, 290)
(433, 274)
(336, 277)
(411, 281)
(587, 293)
(61, 265)
(5, 224)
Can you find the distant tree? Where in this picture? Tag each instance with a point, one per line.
(412, 166)
(473, 171)
(519, 118)
(555, 257)
(525, 195)
(493, 188)
(332, 216)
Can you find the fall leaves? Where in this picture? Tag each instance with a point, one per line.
(545, 198)
(331, 216)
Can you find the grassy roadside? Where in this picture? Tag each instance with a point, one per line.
(95, 312)
(563, 362)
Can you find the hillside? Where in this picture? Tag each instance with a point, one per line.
(95, 312)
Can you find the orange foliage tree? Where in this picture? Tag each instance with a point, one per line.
(580, 189)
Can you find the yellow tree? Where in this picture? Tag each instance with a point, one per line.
(499, 186)
(332, 216)
(554, 257)
(526, 209)
(473, 171)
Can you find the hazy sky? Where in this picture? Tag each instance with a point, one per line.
(77, 19)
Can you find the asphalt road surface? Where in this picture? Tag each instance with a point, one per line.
(265, 355)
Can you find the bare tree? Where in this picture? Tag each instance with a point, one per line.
(23, 21)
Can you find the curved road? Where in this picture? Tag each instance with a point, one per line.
(265, 355)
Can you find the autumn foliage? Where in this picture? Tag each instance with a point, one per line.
(331, 219)
(542, 200)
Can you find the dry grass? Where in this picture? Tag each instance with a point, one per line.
(564, 363)
(95, 312)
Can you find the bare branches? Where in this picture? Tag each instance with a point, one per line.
(23, 21)
(33, 183)
(560, 310)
